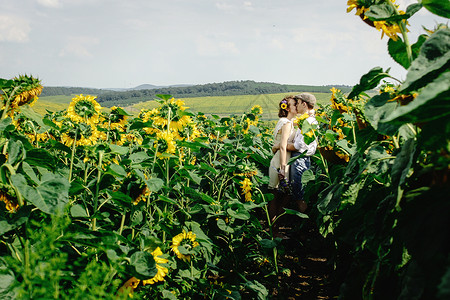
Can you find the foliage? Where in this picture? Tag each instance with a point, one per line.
(167, 204)
(162, 205)
(383, 168)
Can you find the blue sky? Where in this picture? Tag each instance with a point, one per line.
(122, 44)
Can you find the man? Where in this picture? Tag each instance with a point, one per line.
(305, 104)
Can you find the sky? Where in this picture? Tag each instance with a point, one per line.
(126, 43)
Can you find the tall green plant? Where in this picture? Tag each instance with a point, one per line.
(387, 205)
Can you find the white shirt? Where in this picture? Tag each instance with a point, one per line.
(299, 140)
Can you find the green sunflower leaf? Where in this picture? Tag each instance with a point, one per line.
(143, 264)
(432, 60)
(377, 109)
(240, 213)
(51, 196)
(41, 158)
(117, 171)
(122, 111)
(224, 227)
(432, 103)
(397, 50)
(139, 124)
(116, 149)
(380, 12)
(22, 216)
(16, 151)
(6, 124)
(78, 211)
(154, 184)
(164, 96)
(369, 81)
(269, 244)
(438, 7)
(296, 213)
(183, 250)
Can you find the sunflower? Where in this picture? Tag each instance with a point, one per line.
(132, 138)
(247, 123)
(257, 110)
(8, 196)
(172, 111)
(150, 116)
(338, 100)
(283, 106)
(405, 99)
(117, 119)
(87, 135)
(84, 109)
(29, 89)
(165, 143)
(391, 30)
(299, 119)
(358, 4)
(343, 156)
(189, 132)
(114, 136)
(142, 196)
(133, 282)
(246, 189)
(185, 240)
(30, 128)
(162, 271)
(247, 171)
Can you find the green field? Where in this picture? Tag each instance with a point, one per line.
(229, 105)
(51, 103)
(217, 105)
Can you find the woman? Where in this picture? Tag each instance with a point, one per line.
(282, 135)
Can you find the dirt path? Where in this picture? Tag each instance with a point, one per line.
(306, 270)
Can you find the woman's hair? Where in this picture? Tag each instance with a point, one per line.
(283, 112)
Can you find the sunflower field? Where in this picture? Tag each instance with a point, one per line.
(172, 204)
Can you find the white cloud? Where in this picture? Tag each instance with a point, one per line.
(78, 47)
(224, 6)
(49, 3)
(318, 43)
(136, 24)
(248, 5)
(234, 7)
(14, 29)
(277, 44)
(215, 47)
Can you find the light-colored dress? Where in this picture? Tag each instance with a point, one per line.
(275, 162)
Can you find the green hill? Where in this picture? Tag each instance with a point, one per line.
(230, 88)
(109, 98)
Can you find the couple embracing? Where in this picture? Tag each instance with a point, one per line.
(288, 143)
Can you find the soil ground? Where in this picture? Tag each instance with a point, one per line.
(306, 269)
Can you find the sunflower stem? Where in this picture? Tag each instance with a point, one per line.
(72, 156)
(402, 25)
(8, 102)
(270, 223)
(122, 223)
(97, 188)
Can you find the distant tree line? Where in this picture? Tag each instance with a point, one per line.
(67, 91)
(229, 88)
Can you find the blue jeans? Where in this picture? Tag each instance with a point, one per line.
(296, 170)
